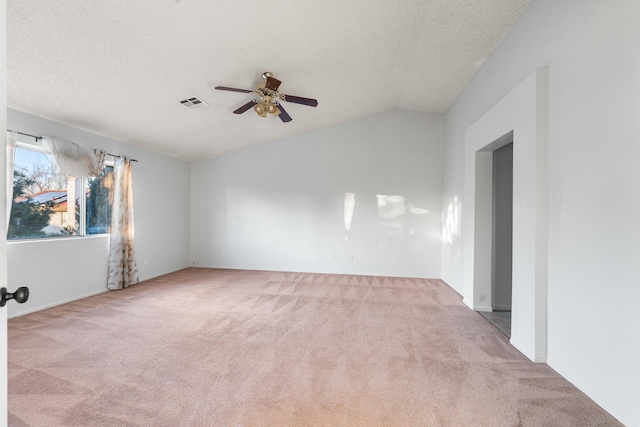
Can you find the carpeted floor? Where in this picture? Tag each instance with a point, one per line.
(204, 347)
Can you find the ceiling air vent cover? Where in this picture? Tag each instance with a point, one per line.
(193, 102)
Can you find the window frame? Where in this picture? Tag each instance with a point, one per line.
(36, 146)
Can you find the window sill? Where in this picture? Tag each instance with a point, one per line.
(58, 239)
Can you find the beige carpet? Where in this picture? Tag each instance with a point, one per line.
(204, 347)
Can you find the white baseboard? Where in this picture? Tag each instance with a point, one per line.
(165, 273)
(593, 396)
(87, 295)
(55, 304)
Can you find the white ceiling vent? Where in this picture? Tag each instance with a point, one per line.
(193, 102)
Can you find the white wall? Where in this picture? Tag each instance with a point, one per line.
(61, 270)
(280, 206)
(3, 252)
(591, 49)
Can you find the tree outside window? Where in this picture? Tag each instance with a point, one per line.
(45, 207)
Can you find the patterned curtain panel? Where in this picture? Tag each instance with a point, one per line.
(123, 270)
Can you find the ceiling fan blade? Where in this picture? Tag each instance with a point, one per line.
(245, 107)
(284, 116)
(300, 100)
(272, 83)
(232, 89)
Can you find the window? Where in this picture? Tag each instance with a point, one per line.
(45, 206)
(98, 201)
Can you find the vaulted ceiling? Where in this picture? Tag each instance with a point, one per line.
(119, 68)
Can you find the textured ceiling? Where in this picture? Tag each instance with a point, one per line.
(119, 68)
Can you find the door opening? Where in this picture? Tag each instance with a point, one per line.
(502, 239)
(520, 117)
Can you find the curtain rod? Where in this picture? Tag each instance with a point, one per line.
(39, 137)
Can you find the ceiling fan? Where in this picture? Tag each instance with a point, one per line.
(269, 100)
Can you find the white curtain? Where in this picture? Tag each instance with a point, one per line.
(12, 137)
(123, 270)
(73, 159)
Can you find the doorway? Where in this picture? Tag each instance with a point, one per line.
(501, 239)
(520, 117)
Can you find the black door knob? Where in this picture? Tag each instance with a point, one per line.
(20, 295)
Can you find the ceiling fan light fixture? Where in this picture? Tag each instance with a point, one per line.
(261, 109)
(272, 109)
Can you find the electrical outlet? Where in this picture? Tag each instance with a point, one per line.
(351, 258)
(146, 261)
(332, 257)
